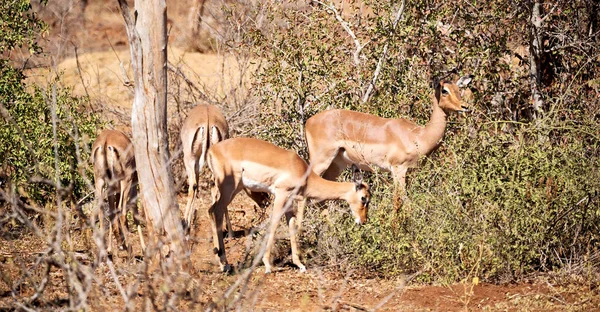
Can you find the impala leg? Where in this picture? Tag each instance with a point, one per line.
(336, 167)
(133, 207)
(99, 214)
(112, 210)
(322, 161)
(300, 215)
(278, 206)
(228, 223)
(399, 175)
(293, 226)
(216, 213)
(124, 204)
(190, 167)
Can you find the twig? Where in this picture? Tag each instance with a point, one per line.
(81, 75)
(367, 94)
(331, 7)
(191, 84)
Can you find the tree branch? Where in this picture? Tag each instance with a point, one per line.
(331, 7)
(367, 94)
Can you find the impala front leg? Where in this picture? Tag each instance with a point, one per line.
(293, 230)
(399, 175)
(278, 206)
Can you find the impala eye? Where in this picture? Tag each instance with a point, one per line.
(445, 91)
(364, 200)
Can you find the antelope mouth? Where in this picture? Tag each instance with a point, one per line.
(464, 109)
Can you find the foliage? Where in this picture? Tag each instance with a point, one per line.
(20, 26)
(515, 206)
(508, 192)
(28, 146)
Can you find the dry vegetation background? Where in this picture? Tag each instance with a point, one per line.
(503, 216)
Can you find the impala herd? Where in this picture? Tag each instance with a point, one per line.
(336, 139)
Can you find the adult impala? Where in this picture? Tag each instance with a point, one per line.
(261, 167)
(337, 138)
(114, 167)
(204, 127)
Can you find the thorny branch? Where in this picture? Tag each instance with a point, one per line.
(331, 7)
(367, 94)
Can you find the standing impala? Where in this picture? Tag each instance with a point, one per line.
(337, 138)
(261, 167)
(114, 167)
(204, 127)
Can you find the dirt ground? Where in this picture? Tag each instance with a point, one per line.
(286, 289)
(101, 41)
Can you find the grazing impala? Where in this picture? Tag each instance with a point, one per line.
(114, 167)
(261, 167)
(337, 138)
(204, 127)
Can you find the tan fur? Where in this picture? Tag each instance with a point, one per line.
(247, 163)
(114, 168)
(338, 138)
(204, 127)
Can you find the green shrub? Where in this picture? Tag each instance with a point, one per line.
(27, 144)
(504, 204)
(30, 145)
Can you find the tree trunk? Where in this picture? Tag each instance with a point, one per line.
(536, 50)
(147, 34)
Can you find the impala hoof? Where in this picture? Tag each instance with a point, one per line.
(228, 269)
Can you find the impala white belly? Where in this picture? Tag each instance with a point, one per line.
(366, 156)
(256, 186)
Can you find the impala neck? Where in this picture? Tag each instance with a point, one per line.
(434, 130)
(321, 189)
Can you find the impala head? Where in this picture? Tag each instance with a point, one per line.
(360, 198)
(449, 96)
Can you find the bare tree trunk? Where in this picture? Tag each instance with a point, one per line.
(147, 35)
(536, 50)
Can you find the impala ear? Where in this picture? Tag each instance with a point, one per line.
(357, 176)
(464, 81)
(435, 83)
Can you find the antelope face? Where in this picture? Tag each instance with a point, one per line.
(359, 205)
(449, 95)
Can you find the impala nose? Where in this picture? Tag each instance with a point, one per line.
(465, 108)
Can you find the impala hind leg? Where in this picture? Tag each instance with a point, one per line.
(132, 206)
(216, 213)
(125, 203)
(111, 213)
(98, 214)
(190, 168)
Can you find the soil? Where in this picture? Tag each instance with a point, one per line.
(101, 47)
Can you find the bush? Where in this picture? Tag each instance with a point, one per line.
(31, 146)
(28, 146)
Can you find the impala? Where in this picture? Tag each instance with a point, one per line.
(114, 167)
(204, 126)
(337, 138)
(261, 167)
